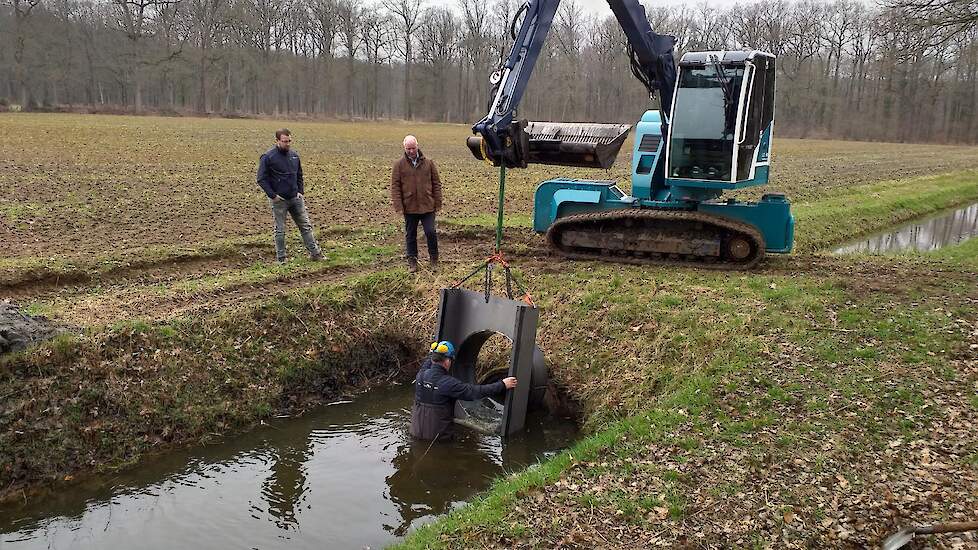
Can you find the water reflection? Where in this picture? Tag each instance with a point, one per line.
(930, 234)
(424, 473)
(285, 489)
(347, 476)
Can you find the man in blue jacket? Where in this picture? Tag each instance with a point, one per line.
(280, 177)
(435, 393)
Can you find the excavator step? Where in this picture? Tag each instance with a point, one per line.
(576, 144)
(650, 236)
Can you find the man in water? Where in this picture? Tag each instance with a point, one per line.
(436, 391)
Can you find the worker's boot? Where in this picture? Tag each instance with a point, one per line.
(434, 264)
(412, 264)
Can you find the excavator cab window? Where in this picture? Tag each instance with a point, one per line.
(758, 112)
(704, 122)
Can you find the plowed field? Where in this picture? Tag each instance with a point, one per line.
(78, 186)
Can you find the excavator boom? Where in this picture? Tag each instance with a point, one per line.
(504, 140)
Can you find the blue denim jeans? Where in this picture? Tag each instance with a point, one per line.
(297, 209)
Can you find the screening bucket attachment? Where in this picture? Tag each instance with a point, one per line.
(578, 144)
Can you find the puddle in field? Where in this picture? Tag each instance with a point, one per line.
(947, 229)
(345, 476)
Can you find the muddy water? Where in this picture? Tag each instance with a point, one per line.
(947, 229)
(345, 476)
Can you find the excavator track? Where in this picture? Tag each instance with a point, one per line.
(658, 237)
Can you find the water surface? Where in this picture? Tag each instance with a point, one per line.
(946, 229)
(345, 476)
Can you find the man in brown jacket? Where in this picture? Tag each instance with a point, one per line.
(416, 193)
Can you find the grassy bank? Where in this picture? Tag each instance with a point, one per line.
(865, 209)
(965, 254)
(24, 272)
(102, 400)
(818, 408)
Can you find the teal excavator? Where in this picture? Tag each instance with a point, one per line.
(711, 133)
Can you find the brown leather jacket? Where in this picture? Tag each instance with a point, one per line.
(415, 190)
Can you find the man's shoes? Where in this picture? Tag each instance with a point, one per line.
(434, 264)
(317, 257)
(412, 265)
(282, 260)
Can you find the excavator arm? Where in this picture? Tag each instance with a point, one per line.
(505, 140)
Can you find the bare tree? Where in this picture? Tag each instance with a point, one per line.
(950, 17)
(570, 28)
(349, 16)
(477, 51)
(439, 38)
(22, 10)
(377, 29)
(134, 18)
(264, 20)
(407, 14)
(325, 21)
(208, 19)
(65, 12)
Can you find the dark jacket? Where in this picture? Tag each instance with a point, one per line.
(280, 173)
(415, 189)
(435, 393)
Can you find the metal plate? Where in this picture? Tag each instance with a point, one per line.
(468, 320)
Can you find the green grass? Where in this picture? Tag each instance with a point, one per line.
(18, 212)
(25, 269)
(338, 256)
(965, 253)
(489, 508)
(520, 221)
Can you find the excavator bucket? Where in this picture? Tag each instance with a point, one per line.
(579, 144)
(575, 144)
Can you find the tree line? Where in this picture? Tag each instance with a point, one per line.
(845, 69)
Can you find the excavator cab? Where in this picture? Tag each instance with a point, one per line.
(719, 134)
